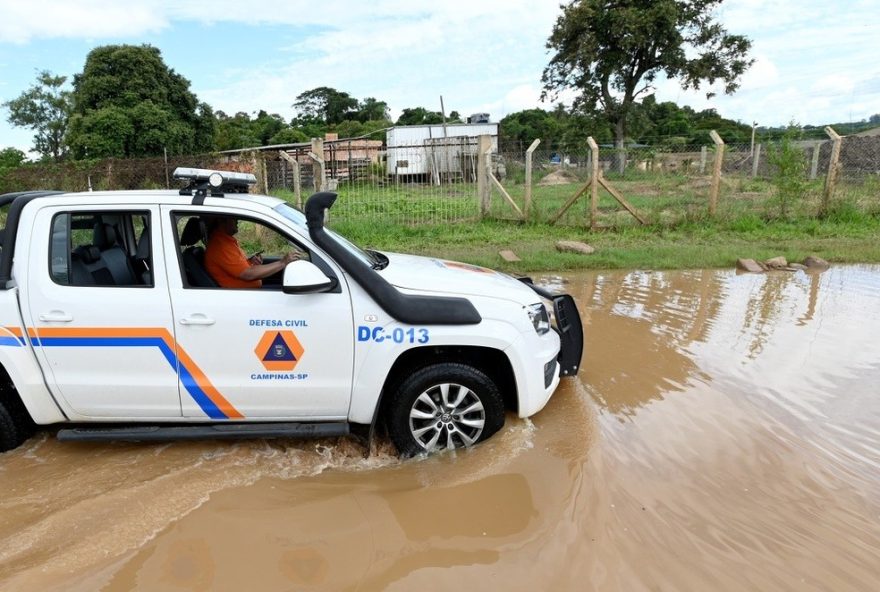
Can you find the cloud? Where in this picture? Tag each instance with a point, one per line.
(870, 86)
(21, 22)
(481, 56)
(102, 19)
(409, 57)
(833, 85)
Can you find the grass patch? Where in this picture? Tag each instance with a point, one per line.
(444, 222)
(694, 245)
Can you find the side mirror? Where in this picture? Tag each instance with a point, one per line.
(304, 277)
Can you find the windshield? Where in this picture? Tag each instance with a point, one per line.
(299, 219)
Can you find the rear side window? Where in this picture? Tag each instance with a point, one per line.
(101, 249)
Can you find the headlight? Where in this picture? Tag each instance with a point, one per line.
(538, 316)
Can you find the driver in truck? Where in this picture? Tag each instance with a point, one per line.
(229, 266)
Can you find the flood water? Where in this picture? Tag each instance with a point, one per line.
(723, 434)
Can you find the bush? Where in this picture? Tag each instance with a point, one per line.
(790, 167)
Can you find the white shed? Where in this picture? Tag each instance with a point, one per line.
(435, 149)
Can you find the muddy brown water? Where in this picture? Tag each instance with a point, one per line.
(723, 434)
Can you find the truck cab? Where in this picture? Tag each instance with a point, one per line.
(111, 324)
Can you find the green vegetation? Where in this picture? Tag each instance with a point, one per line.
(611, 53)
(790, 169)
(680, 234)
(128, 103)
(45, 108)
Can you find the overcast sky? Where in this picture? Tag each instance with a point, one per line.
(816, 62)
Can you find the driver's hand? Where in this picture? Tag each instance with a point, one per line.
(289, 257)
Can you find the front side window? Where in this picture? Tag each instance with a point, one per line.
(108, 248)
(218, 251)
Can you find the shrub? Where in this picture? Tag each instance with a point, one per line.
(790, 166)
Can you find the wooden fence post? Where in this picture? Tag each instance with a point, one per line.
(756, 160)
(484, 145)
(528, 197)
(716, 172)
(317, 156)
(833, 168)
(594, 182)
(814, 166)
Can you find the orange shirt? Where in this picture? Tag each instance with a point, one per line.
(225, 261)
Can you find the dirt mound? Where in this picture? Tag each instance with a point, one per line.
(559, 177)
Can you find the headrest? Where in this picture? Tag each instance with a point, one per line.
(87, 253)
(104, 236)
(192, 232)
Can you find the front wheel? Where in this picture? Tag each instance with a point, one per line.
(12, 434)
(444, 406)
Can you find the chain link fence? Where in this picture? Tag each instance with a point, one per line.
(672, 184)
(430, 183)
(439, 181)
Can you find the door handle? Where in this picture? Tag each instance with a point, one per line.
(197, 319)
(55, 316)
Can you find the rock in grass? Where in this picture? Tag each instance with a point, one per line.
(816, 263)
(776, 263)
(796, 267)
(749, 265)
(509, 256)
(574, 247)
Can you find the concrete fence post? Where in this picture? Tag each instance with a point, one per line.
(716, 172)
(528, 194)
(756, 159)
(703, 153)
(484, 146)
(317, 156)
(594, 181)
(264, 173)
(833, 168)
(297, 183)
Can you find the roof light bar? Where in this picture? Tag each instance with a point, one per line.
(215, 178)
(202, 181)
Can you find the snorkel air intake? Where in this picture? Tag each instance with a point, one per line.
(406, 308)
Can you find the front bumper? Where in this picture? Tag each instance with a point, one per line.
(568, 327)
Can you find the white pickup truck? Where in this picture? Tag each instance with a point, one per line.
(111, 325)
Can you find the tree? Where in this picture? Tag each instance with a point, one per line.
(45, 108)
(532, 124)
(611, 53)
(289, 135)
(789, 168)
(235, 132)
(11, 158)
(419, 116)
(326, 105)
(128, 102)
(371, 109)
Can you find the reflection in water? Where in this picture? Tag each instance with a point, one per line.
(723, 434)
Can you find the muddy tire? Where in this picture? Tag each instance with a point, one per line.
(443, 406)
(10, 434)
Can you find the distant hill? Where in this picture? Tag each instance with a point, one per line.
(869, 127)
(874, 131)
